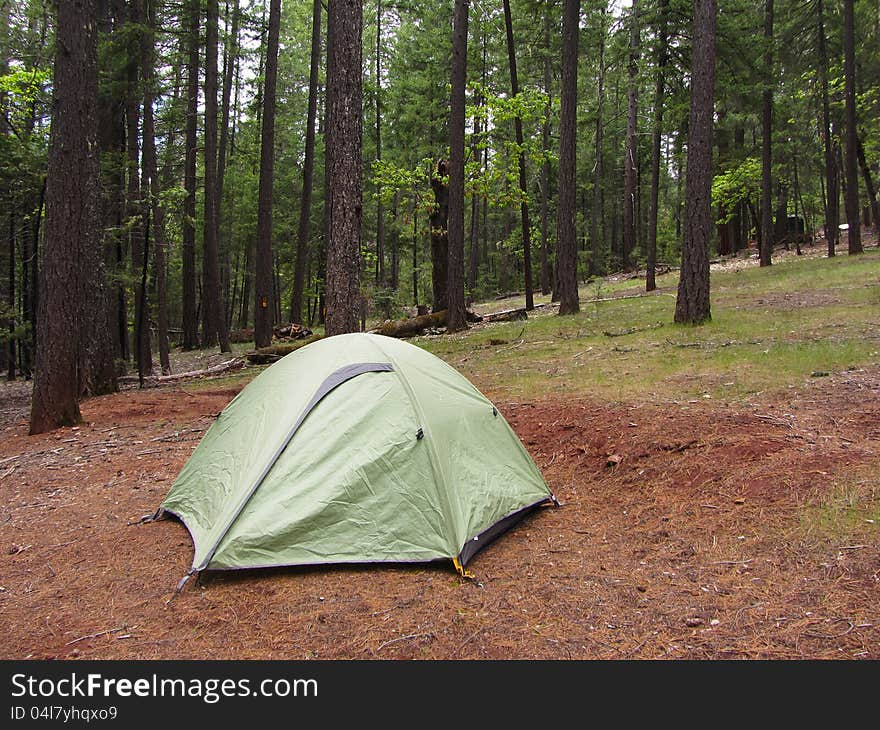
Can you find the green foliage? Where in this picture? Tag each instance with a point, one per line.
(740, 184)
(19, 330)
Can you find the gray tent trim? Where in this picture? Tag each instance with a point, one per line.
(478, 542)
(334, 380)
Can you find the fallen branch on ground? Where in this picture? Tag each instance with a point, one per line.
(273, 353)
(630, 330)
(99, 633)
(223, 367)
(508, 315)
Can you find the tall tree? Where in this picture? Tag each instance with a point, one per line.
(456, 318)
(523, 183)
(231, 64)
(112, 135)
(630, 163)
(766, 249)
(344, 186)
(473, 262)
(4, 134)
(264, 295)
(854, 231)
(596, 217)
(304, 226)
(214, 328)
(188, 249)
(832, 198)
(546, 273)
(153, 204)
(380, 214)
(74, 354)
(692, 303)
(662, 58)
(137, 221)
(566, 234)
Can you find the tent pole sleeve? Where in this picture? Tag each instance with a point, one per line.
(334, 380)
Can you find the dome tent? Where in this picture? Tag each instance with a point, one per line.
(356, 448)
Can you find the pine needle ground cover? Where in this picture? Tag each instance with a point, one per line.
(719, 489)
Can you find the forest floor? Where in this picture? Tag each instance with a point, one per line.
(708, 511)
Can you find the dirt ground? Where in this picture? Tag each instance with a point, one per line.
(688, 530)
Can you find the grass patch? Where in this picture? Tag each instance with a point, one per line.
(771, 328)
(850, 509)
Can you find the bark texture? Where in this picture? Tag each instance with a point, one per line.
(692, 302)
(344, 192)
(456, 317)
(566, 235)
(74, 352)
(264, 293)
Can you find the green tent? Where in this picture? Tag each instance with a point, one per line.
(353, 449)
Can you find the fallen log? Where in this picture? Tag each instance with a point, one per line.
(234, 364)
(413, 326)
(630, 330)
(273, 353)
(508, 315)
(416, 325)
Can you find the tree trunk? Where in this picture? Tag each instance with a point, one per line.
(630, 162)
(135, 203)
(264, 294)
(74, 355)
(213, 320)
(523, 184)
(4, 134)
(659, 93)
(151, 172)
(439, 235)
(473, 237)
(395, 244)
(797, 200)
(30, 276)
(10, 323)
(566, 234)
(832, 214)
(692, 303)
(344, 133)
(190, 315)
(112, 133)
(415, 254)
(230, 60)
(456, 319)
(854, 232)
(474, 250)
(304, 227)
(380, 214)
(546, 273)
(595, 266)
(766, 244)
(780, 223)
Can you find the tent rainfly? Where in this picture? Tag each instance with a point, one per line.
(356, 448)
